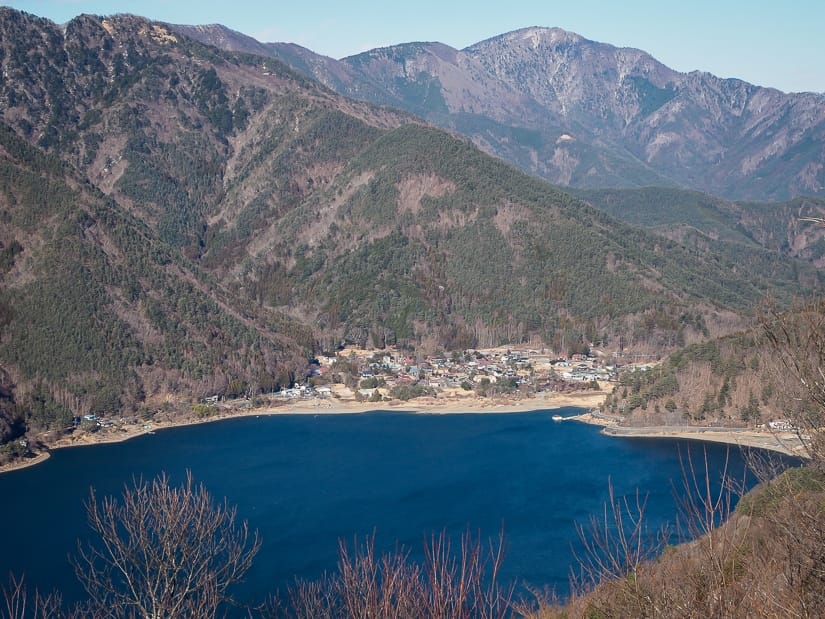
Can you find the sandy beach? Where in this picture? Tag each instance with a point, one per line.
(317, 406)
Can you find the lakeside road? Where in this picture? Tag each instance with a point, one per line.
(787, 443)
(318, 406)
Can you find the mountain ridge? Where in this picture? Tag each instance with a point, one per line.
(634, 121)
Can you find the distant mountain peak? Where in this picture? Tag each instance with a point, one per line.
(405, 49)
(636, 121)
(534, 37)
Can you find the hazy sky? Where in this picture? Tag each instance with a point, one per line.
(767, 42)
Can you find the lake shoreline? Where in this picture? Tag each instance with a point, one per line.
(784, 443)
(317, 406)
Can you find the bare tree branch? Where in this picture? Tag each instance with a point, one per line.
(797, 339)
(163, 551)
(17, 604)
(455, 585)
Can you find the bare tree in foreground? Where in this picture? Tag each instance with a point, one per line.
(614, 546)
(625, 569)
(797, 338)
(455, 585)
(163, 551)
(16, 602)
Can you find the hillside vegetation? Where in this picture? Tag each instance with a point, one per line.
(181, 220)
(753, 229)
(735, 380)
(100, 317)
(730, 379)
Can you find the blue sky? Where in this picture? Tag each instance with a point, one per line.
(766, 42)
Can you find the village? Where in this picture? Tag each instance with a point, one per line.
(382, 375)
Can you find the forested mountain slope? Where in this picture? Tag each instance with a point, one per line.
(166, 205)
(99, 316)
(691, 217)
(786, 227)
(357, 220)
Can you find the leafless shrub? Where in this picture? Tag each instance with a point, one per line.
(316, 599)
(797, 339)
(447, 585)
(711, 570)
(162, 551)
(792, 506)
(18, 604)
(466, 586)
(706, 500)
(369, 586)
(614, 546)
(617, 542)
(624, 570)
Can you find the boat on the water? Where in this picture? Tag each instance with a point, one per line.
(558, 418)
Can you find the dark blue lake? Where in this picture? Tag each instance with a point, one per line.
(305, 481)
